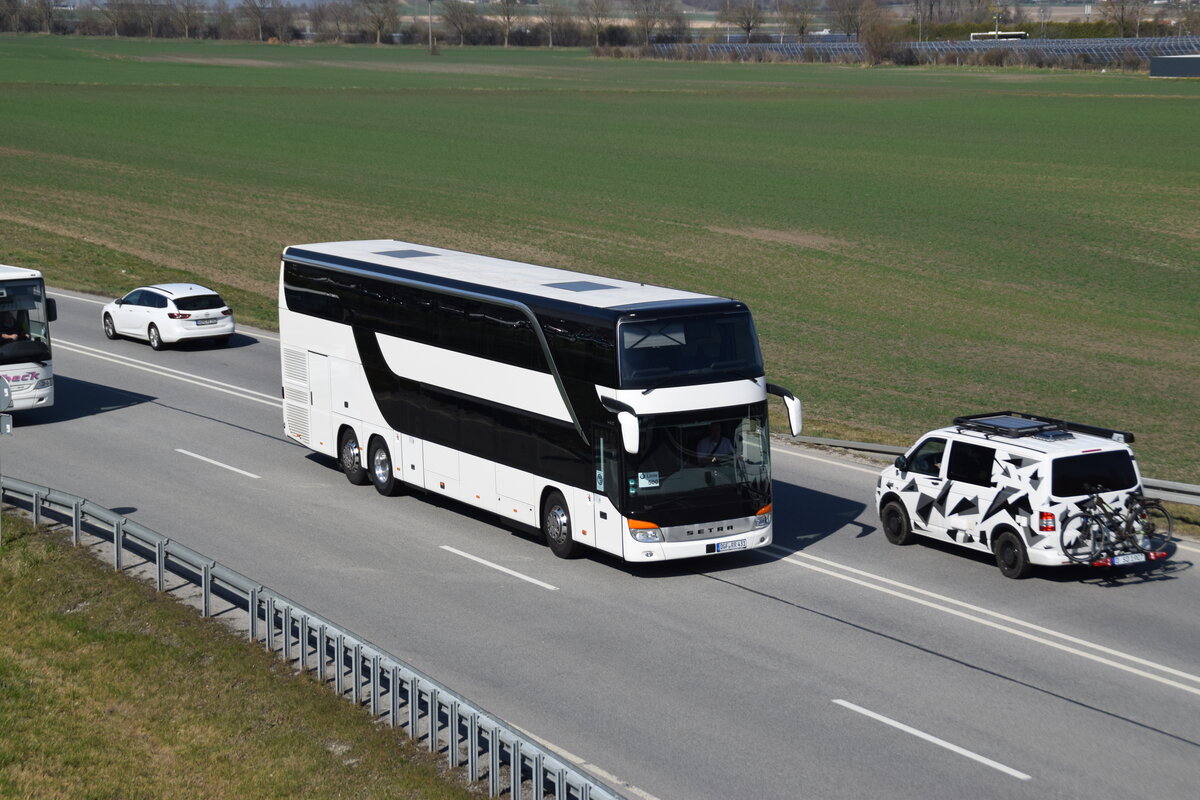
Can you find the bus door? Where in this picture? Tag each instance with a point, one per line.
(318, 388)
(606, 519)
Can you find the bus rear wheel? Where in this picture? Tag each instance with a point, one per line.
(556, 526)
(382, 473)
(349, 460)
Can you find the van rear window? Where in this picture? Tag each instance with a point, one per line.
(1078, 475)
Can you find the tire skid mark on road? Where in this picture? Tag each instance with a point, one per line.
(167, 372)
(1066, 643)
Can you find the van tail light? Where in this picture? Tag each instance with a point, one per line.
(177, 315)
(1046, 522)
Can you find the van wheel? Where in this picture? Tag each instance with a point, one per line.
(1011, 557)
(556, 527)
(382, 474)
(349, 460)
(896, 526)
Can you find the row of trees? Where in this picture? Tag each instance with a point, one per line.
(549, 22)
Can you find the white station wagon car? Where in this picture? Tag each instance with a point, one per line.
(1005, 483)
(167, 313)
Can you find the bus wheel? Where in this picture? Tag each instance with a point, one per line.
(556, 527)
(348, 458)
(382, 474)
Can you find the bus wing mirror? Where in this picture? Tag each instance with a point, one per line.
(795, 411)
(51, 309)
(629, 432)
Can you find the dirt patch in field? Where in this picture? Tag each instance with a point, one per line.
(220, 62)
(812, 241)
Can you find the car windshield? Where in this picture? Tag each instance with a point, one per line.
(685, 350)
(704, 465)
(199, 302)
(26, 336)
(1111, 471)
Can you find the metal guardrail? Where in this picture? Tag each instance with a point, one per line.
(1171, 491)
(358, 670)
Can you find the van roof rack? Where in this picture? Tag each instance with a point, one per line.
(1016, 424)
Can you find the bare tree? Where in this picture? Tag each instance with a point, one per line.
(796, 15)
(597, 14)
(851, 16)
(745, 15)
(506, 17)
(45, 12)
(649, 15)
(556, 17)
(188, 15)
(379, 15)
(461, 16)
(1125, 14)
(255, 11)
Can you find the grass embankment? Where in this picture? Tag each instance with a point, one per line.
(915, 243)
(108, 689)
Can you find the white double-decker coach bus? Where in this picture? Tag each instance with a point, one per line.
(25, 356)
(617, 415)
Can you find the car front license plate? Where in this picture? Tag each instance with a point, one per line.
(736, 544)
(1128, 558)
(206, 322)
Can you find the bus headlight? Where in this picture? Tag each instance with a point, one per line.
(763, 518)
(44, 383)
(643, 531)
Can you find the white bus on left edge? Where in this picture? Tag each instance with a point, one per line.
(25, 317)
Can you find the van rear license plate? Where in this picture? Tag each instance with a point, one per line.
(736, 544)
(1128, 558)
(206, 322)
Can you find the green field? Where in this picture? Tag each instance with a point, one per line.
(915, 243)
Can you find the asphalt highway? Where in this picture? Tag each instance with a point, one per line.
(833, 665)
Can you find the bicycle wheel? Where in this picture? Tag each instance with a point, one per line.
(1149, 526)
(1082, 537)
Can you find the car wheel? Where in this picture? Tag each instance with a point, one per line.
(349, 459)
(155, 337)
(110, 330)
(1011, 557)
(556, 527)
(382, 473)
(896, 526)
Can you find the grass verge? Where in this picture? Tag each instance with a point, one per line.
(109, 689)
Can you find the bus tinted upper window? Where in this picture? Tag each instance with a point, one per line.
(682, 350)
(1078, 475)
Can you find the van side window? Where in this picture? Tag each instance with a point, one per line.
(971, 463)
(927, 458)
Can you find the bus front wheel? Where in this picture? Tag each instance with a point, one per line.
(556, 526)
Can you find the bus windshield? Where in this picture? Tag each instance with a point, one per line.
(23, 325)
(675, 351)
(702, 465)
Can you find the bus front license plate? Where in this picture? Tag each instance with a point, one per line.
(1128, 558)
(736, 544)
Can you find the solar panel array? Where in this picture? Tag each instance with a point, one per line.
(1093, 51)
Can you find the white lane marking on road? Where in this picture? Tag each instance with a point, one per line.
(792, 452)
(624, 786)
(505, 570)
(257, 334)
(218, 463)
(998, 626)
(962, 751)
(167, 372)
(1183, 546)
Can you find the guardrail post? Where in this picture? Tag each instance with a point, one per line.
(414, 707)
(473, 747)
(37, 508)
(270, 640)
(494, 762)
(432, 719)
(286, 623)
(452, 739)
(118, 542)
(323, 649)
(536, 776)
(339, 663)
(252, 607)
(356, 675)
(160, 570)
(376, 685)
(206, 589)
(304, 643)
(394, 697)
(514, 770)
(76, 521)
